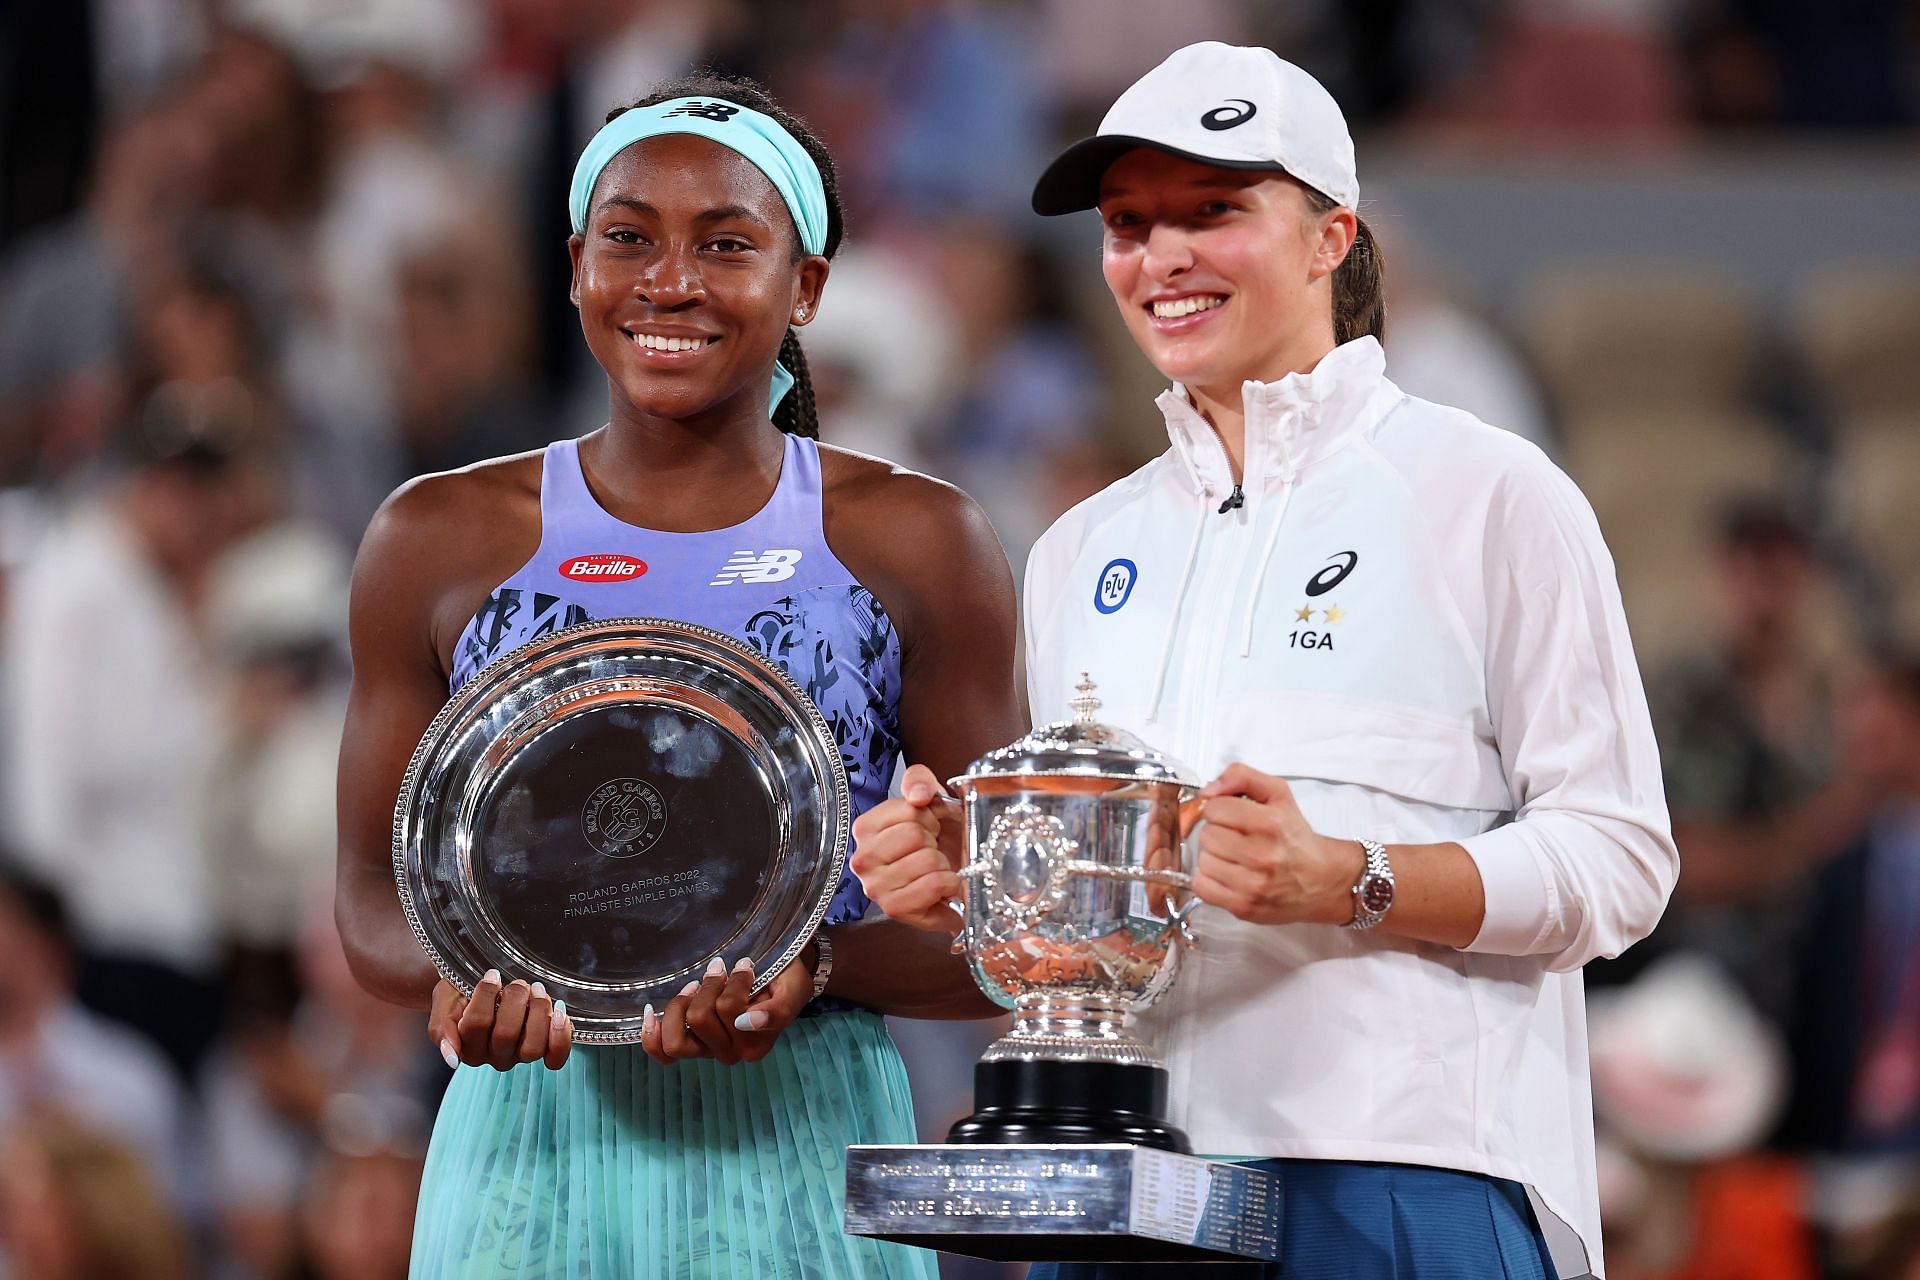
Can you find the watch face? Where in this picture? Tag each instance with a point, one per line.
(1376, 894)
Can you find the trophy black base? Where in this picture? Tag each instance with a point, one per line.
(1064, 1203)
(1025, 1102)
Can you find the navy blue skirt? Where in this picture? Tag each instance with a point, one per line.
(1347, 1221)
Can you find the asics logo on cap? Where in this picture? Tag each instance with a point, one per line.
(1227, 117)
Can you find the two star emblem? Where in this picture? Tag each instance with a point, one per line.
(1332, 613)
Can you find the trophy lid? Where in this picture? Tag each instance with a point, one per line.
(1080, 748)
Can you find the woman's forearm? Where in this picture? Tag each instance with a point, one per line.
(1437, 893)
(894, 968)
(383, 953)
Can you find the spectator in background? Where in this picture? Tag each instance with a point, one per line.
(295, 1098)
(1032, 389)
(60, 383)
(113, 713)
(1825, 67)
(377, 1192)
(57, 1056)
(276, 615)
(462, 389)
(1745, 739)
(1557, 71)
(1687, 1079)
(937, 105)
(1441, 348)
(78, 1206)
(262, 118)
(1856, 1027)
(397, 190)
(882, 389)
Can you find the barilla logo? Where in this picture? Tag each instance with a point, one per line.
(604, 567)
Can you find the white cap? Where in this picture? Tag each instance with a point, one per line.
(1221, 104)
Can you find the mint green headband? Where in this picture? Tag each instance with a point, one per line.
(760, 138)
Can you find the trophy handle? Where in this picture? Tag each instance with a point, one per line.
(960, 939)
(1180, 925)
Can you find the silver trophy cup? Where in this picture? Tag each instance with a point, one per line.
(1075, 918)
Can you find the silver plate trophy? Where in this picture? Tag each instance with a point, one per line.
(1076, 915)
(608, 808)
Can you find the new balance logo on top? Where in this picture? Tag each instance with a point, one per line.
(757, 566)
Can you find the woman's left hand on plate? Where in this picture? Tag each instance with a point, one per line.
(719, 1016)
(1261, 860)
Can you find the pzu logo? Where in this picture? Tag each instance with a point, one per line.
(1115, 585)
(720, 112)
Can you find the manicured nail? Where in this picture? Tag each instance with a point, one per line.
(560, 1019)
(647, 1015)
(491, 975)
(743, 965)
(689, 989)
(538, 991)
(448, 1052)
(921, 793)
(716, 968)
(752, 1020)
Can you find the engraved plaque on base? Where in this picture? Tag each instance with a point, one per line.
(1108, 1202)
(609, 807)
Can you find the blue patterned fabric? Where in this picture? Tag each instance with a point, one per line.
(1348, 1221)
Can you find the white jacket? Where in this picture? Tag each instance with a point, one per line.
(1414, 619)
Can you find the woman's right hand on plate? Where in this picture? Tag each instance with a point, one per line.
(906, 851)
(499, 1025)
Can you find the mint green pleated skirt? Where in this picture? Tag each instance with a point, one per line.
(618, 1167)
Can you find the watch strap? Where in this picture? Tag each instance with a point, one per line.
(822, 963)
(1372, 876)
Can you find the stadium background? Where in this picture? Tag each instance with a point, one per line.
(262, 260)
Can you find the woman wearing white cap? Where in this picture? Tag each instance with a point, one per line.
(1392, 635)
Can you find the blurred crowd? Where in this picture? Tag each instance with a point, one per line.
(262, 260)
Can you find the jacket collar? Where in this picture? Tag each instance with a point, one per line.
(1291, 423)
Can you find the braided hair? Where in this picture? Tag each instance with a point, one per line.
(796, 414)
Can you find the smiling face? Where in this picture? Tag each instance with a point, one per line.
(1221, 274)
(687, 276)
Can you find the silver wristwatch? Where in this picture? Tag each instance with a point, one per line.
(823, 963)
(1373, 891)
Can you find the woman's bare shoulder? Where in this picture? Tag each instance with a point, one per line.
(441, 542)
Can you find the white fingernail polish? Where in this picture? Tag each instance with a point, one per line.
(647, 1015)
(491, 975)
(716, 968)
(743, 965)
(538, 991)
(751, 1020)
(560, 1014)
(689, 989)
(447, 1052)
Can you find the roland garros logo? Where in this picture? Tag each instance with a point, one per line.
(604, 567)
(624, 817)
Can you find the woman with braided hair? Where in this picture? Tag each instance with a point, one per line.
(704, 220)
